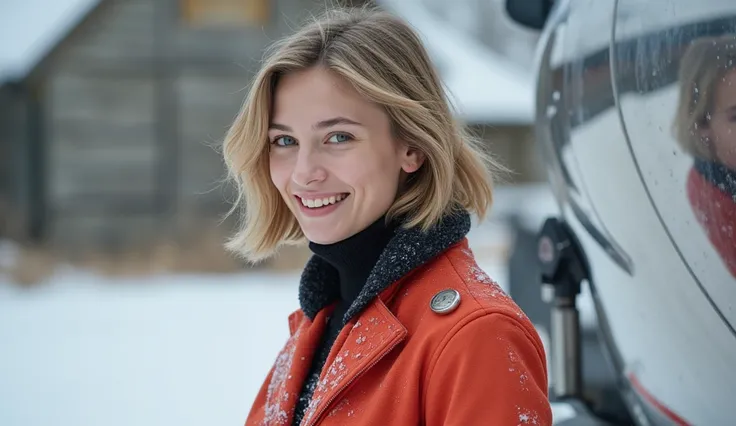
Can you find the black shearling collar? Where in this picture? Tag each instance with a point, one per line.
(718, 175)
(407, 250)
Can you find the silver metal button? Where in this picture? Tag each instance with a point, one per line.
(445, 301)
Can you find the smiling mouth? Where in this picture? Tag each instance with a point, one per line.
(316, 203)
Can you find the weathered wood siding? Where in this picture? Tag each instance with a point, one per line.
(136, 106)
(207, 106)
(103, 142)
(122, 32)
(13, 123)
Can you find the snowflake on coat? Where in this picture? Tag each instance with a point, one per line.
(338, 370)
(276, 396)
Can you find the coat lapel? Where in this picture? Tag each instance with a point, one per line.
(292, 366)
(374, 334)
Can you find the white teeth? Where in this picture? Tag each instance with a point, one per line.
(320, 202)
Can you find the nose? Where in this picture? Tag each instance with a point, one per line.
(308, 170)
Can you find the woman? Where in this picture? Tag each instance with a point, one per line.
(706, 129)
(346, 140)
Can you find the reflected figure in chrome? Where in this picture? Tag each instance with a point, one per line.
(705, 127)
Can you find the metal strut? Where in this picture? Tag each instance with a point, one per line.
(563, 267)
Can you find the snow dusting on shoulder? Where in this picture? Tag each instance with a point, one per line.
(481, 285)
(484, 288)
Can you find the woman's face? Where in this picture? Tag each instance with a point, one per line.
(333, 156)
(722, 129)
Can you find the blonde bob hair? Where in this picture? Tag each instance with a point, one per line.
(384, 60)
(703, 65)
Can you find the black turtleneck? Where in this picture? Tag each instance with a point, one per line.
(354, 259)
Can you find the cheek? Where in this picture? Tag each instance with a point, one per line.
(369, 172)
(280, 170)
(724, 132)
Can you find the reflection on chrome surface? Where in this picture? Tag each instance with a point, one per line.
(636, 117)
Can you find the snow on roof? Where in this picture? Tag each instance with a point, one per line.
(30, 29)
(483, 86)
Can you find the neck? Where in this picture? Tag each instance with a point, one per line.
(355, 257)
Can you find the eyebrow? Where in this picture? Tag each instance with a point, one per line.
(319, 125)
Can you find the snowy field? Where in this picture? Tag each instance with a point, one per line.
(174, 350)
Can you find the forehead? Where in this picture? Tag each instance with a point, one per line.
(316, 94)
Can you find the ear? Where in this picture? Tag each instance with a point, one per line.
(412, 159)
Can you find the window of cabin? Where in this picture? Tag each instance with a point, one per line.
(225, 13)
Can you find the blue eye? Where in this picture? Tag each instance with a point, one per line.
(338, 138)
(284, 141)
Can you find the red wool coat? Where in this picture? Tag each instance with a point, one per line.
(715, 210)
(398, 362)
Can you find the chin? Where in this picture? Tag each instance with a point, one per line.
(323, 238)
(324, 233)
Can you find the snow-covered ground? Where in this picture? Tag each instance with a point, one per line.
(86, 350)
(170, 350)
